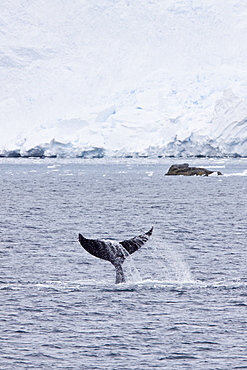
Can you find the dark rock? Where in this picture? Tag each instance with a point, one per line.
(13, 154)
(185, 170)
(93, 153)
(36, 152)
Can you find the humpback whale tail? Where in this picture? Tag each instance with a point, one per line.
(115, 252)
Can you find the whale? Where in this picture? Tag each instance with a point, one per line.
(113, 251)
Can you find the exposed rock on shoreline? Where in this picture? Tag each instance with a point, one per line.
(185, 170)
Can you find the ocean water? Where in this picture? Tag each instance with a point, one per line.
(184, 305)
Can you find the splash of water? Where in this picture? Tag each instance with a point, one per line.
(171, 265)
(131, 272)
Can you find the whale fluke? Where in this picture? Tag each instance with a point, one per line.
(135, 243)
(115, 252)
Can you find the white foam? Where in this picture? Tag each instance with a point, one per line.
(244, 173)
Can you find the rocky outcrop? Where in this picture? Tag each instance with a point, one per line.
(185, 170)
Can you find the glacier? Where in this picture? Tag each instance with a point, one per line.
(123, 78)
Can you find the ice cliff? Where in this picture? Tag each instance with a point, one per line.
(123, 77)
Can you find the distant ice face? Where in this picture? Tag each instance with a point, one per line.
(124, 78)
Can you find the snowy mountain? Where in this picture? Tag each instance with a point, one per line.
(123, 77)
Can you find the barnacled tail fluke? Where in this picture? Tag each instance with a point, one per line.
(114, 252)
(137, 242)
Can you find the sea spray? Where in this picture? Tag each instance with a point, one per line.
(131, 272)
(171, 265)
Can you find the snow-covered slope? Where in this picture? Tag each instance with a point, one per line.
(123, 77)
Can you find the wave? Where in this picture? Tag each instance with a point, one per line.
(244, 173)
(170, 284)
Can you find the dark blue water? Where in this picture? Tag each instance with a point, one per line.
(185, 303)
